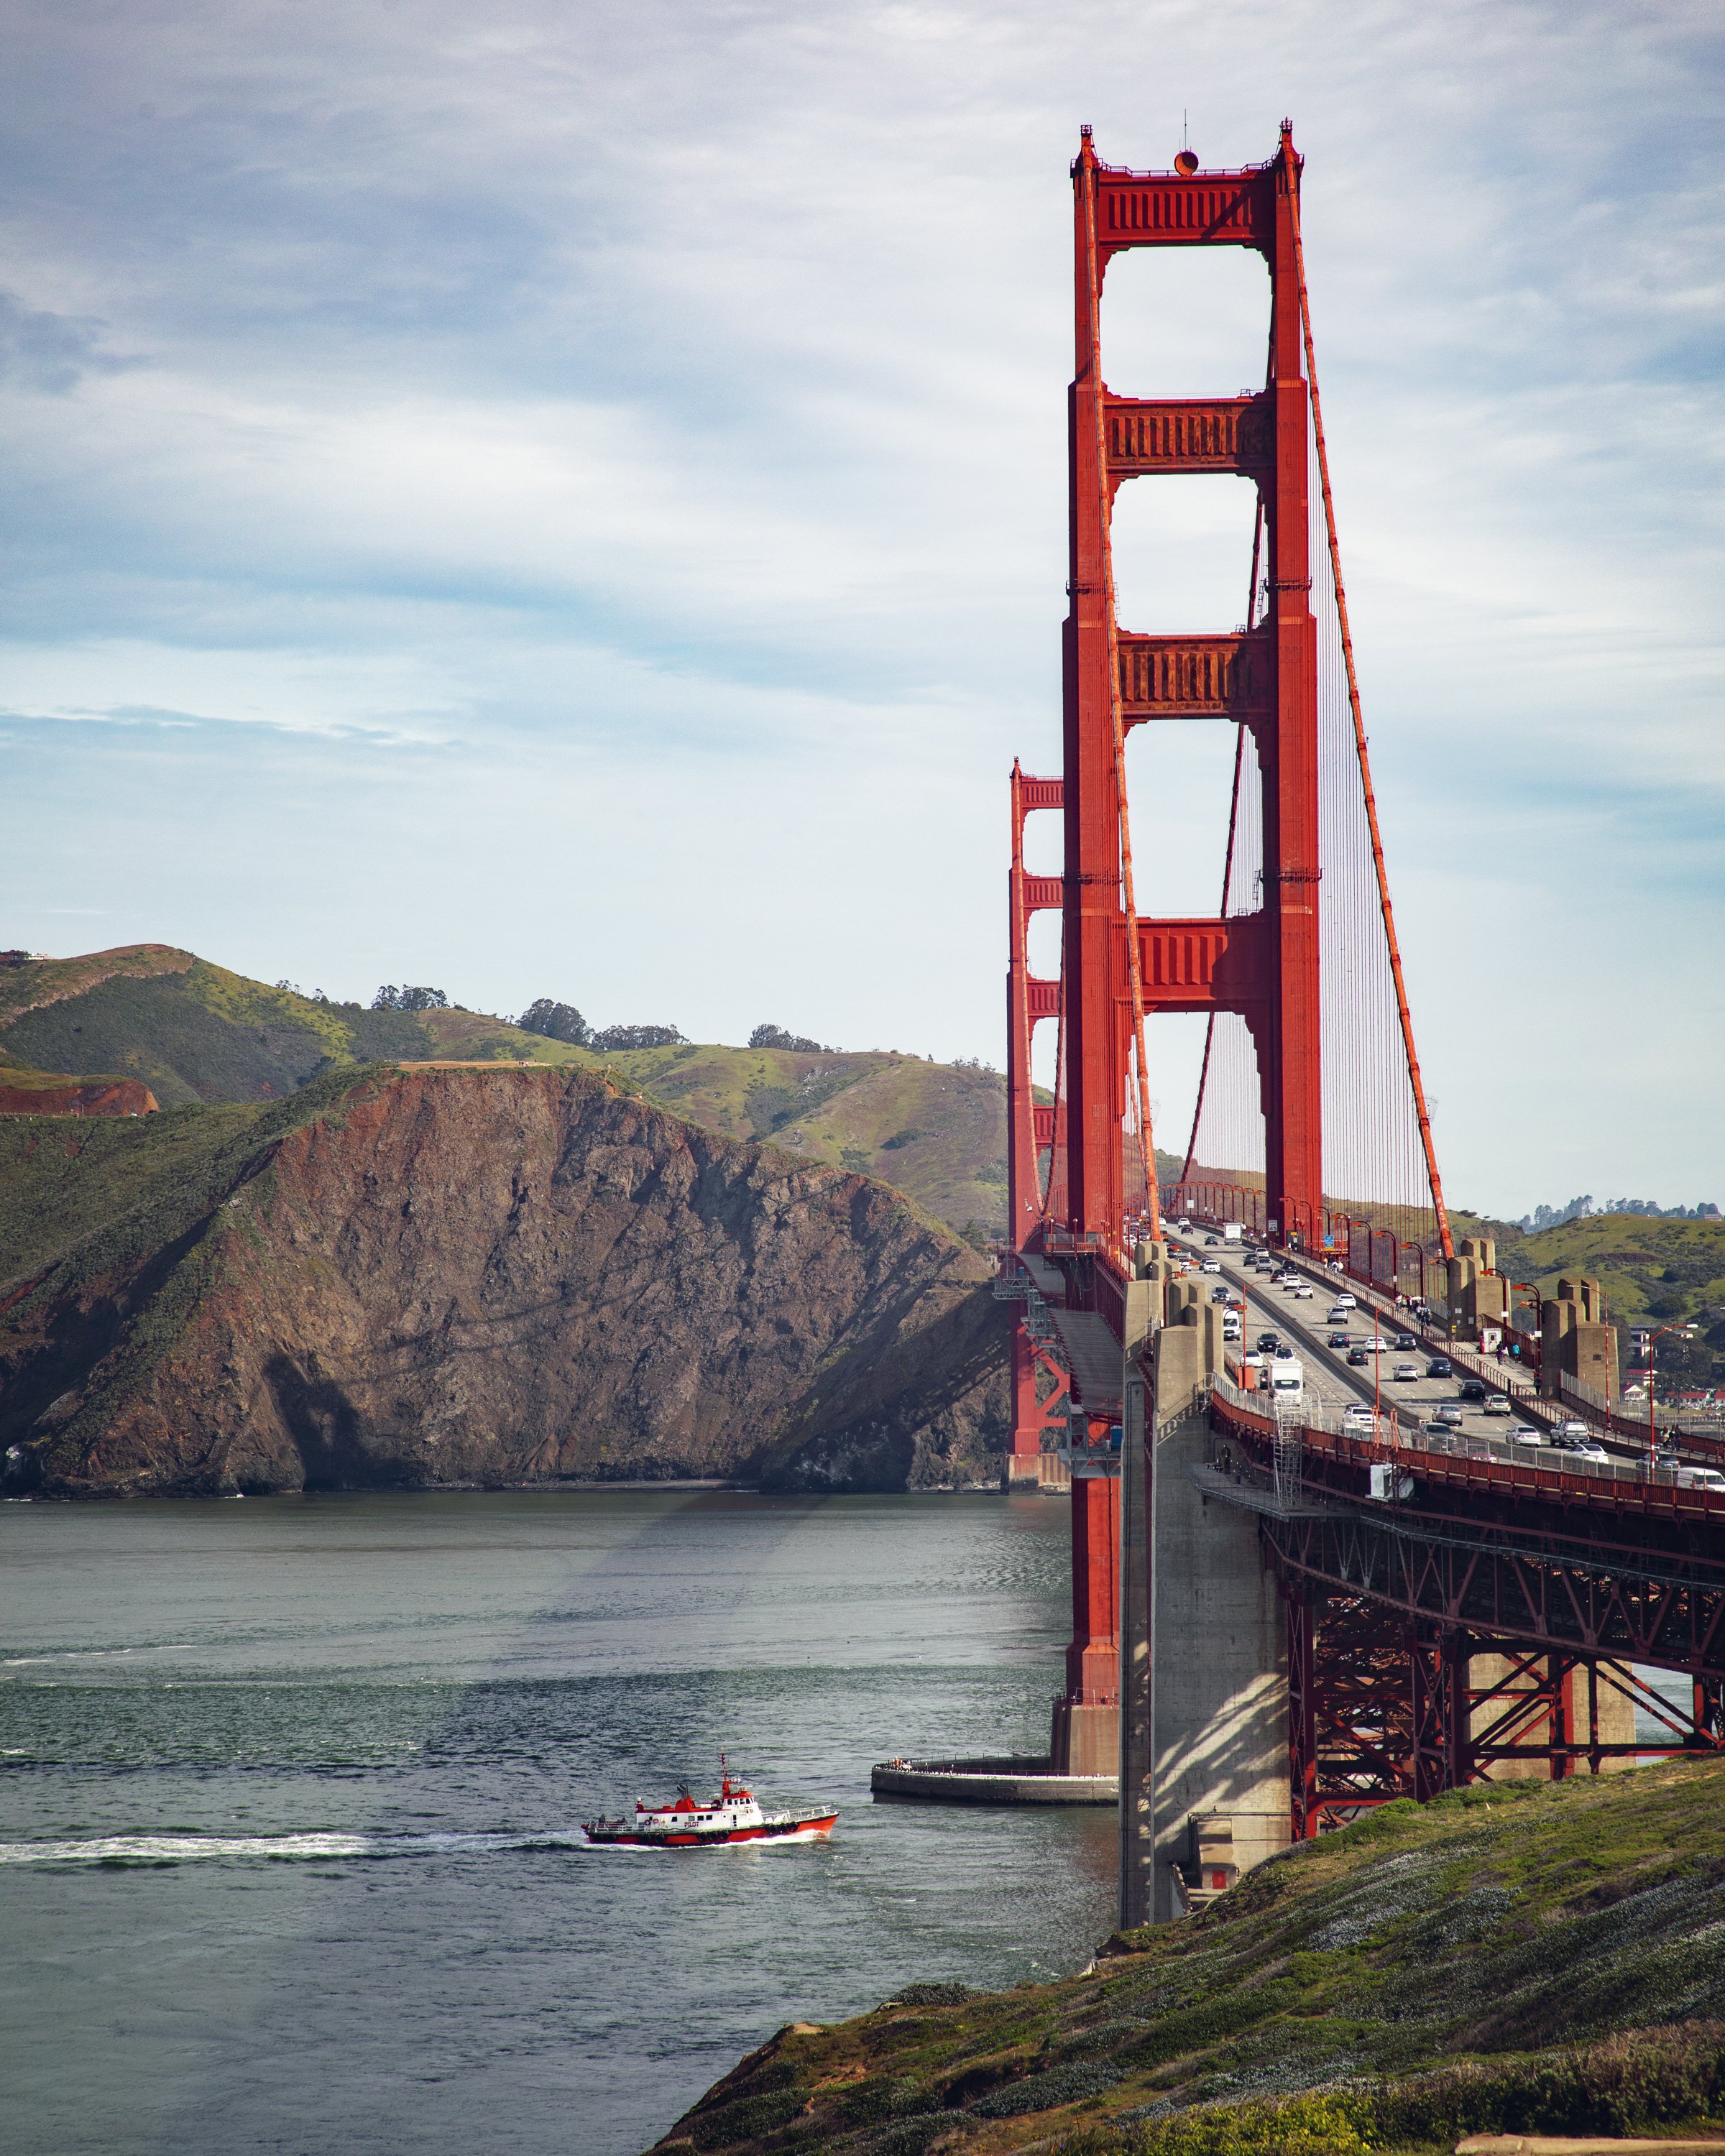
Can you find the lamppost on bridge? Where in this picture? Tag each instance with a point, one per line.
(1530, 1290)
(1677, 1326)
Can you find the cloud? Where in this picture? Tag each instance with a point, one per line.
(672, 402)
(50, 353)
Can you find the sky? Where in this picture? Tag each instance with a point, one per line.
(570, 501)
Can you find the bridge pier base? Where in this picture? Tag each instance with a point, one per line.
(1218, 1693)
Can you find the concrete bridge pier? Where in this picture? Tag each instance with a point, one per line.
(1204, 1707)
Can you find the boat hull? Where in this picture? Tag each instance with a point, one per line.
(625, 1835)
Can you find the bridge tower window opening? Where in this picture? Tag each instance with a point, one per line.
(1183, 554)
(1184, 321)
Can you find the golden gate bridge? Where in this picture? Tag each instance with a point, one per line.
(1284, 1613)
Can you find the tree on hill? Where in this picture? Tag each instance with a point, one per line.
(617, 1037)
(1684, 1366)
(388, 997)
(799, 1044)
(555, 1021)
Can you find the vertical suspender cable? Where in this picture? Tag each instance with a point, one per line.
(1210, 1031)
(1057, 1138)
(1146, 1143)
(1360, 742)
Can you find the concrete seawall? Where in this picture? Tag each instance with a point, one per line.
(1021, 1778)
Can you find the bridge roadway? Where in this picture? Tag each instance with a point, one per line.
(1526, 1543)
(1303, 1324)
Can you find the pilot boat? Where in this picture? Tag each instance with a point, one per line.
(734, 1815)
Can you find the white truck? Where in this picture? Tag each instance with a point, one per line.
(1234, 1233)
(1287, 1378)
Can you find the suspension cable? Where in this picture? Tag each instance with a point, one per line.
(1359, 741)
(1057, 1136)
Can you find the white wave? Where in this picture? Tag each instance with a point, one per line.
(94, 1653)
(182, 1848)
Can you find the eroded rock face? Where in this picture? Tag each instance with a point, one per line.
(459, 1275)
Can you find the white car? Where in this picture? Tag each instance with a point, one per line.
(1525, 1433)
(1346, 1302)
(1302, 1293)
(1405, 1371)
(1338, 1313)
(1375, 1344)
(1496, 1405)
(1211, 1265)
(1596, 1454)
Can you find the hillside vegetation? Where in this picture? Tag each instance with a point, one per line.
(435, 1277)
(195, 1032)
(1517, 1956)
(935, 1131)
(1647, 1267)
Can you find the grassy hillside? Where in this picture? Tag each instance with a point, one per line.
(195, 1032)
(191, 1031)
(1519, 1956)
(66, 1184)
(935, 1131)
(1647, 1267)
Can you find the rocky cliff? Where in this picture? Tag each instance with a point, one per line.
(450, 1276)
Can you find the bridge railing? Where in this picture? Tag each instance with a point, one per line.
(1455, 1458)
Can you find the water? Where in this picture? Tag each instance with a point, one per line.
(290, 1794)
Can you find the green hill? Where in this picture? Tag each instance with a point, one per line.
(935, 1131)
(1518, 1957)
(1648, 1267)
(194, 1032)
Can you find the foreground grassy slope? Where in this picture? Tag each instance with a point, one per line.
(1519, 1956)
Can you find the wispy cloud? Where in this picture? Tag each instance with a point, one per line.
(655, 421)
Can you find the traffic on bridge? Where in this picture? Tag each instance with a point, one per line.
(1355, 1516)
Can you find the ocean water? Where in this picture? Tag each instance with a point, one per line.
(291, 1793)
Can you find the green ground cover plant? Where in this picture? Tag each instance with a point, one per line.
(1517, 1956)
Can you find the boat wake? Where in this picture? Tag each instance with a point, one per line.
(185, 1848)
(151, 1849)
